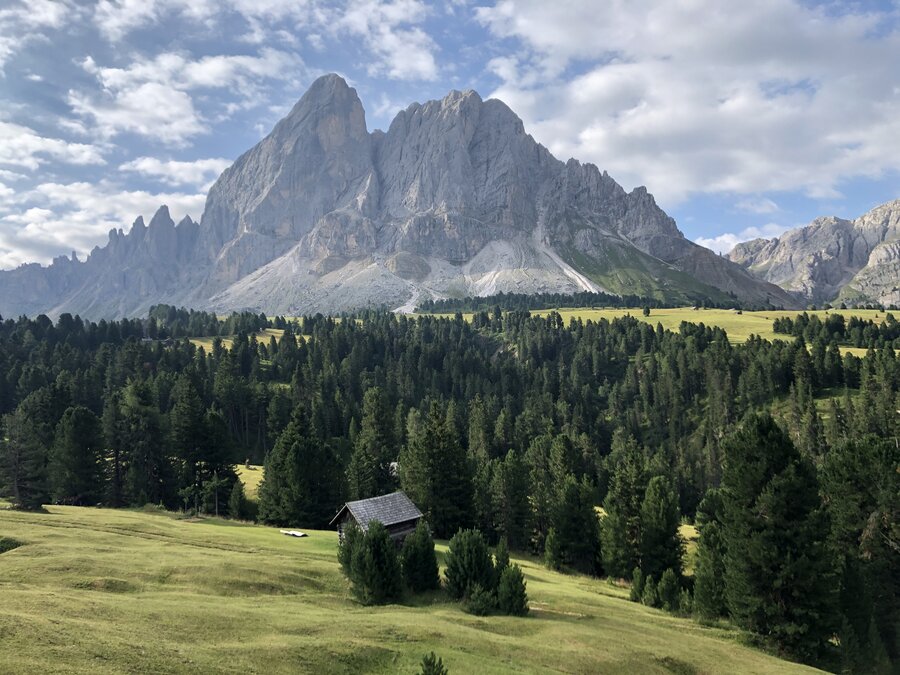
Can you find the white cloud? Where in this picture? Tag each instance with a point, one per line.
(22, 22)
(704, 96)
(759, 205)
(388, 29)
(725, 242)
(23, 147)
(199, 173)
(150, 96)
(56, 218)
(403, 50)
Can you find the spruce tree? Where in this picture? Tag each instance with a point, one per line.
(420, 567)
(237, 502)
(375, 571)
(23, 463)
(291, 493)
(469, 564)
(649, 595)
(620, 529)
(76, 459)
(512, 597)
(576, 525)
(374, 448)
(433, 665)
(668, 591)
(779, 571)
(148, 472)
(661, 545)
(637, 585)
(510, 494)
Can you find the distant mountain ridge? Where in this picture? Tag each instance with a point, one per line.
(323, 215)
(833, 259)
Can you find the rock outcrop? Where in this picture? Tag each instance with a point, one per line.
(833, 259)
(455, 198)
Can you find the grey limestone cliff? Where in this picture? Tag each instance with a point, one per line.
(455, 198)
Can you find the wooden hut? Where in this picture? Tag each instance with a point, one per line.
(395, 511)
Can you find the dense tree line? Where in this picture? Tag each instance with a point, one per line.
(515, 425)
(853, 331)
(523, 302)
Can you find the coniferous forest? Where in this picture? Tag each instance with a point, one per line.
(586, 443)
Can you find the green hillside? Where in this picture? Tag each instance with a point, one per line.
(97, 590)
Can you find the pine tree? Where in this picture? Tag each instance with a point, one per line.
(862, 489)
(501, 555)
(553, 554)
(369, 473)
(779, 578)
(76, 459)
(576, 526)
(469, 564)
(637, 585)
(510, 495)
(433, 665)
(512, 597)
(649, 596)
(668, 591)
(661, 545)
(375, 572)
(237, 502)
(23, 463)
(620, 529)
(420, 568)
(148, 472)
(292, 494)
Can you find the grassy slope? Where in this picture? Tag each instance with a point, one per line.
(252, 476)
(97, 590)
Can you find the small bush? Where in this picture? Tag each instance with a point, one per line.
(512, 598)
(480, 600)
(433, 665)
(649, 596)
(420, 568)
(668, 591)
(685, 603)
(469, 564)
(637, 585)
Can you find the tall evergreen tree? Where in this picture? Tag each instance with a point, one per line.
(374, 448)
(301, 483)
(620, 529)
(76, 459)
(661, 545)
(709, 570)
(23, 463)
(147, 477)
(779, 571)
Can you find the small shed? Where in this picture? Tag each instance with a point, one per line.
(395, 511)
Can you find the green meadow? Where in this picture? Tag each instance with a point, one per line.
(101, 591)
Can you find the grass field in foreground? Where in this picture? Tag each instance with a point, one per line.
(97, 590)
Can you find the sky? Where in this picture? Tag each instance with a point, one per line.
(744, 119)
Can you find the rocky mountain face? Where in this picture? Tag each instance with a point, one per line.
(833, 259)
(322, 215)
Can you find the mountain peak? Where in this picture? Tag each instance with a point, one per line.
(162, 218)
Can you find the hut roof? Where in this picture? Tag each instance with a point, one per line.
(387, 509)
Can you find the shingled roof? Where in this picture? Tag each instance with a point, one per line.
(387, 509)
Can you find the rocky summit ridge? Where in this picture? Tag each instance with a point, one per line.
(322, 215)
(833, 259)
